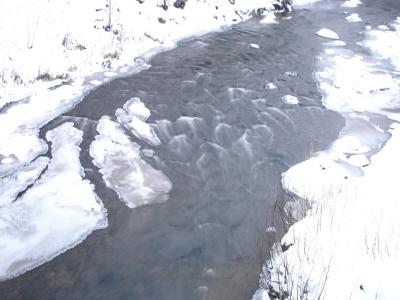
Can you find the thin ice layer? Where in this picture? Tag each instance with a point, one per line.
(133, 116)
(57, 213)
(119, 159)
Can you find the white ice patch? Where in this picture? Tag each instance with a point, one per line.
(289, 99)
(119, 160)
(336, 43)
(351, 3)
(54, 215)
(300, 3)
(133, 116)
(345, 244)
(12, 185)
(350, 232)
(255, 46)
(327, 33)
(20, 124)
(353, 18)
(351, 84)
(271, 86)
(386, 43)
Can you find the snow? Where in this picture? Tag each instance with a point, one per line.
(58, 212)
(69, 40)
(351, 3)
(119, 160)
(327, 33)
(289, 99)
(353, 18)
(345, 243)
(352, 84)
(269, 19)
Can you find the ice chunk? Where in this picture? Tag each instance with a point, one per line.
(135, 107)
(12, 185)
(353, 18)
(290, 99)
(351, 3)
(270, 86)
(133, 117)
(20, 124)
(135, 181)
(327, 33)
(58, 212)
(255, 46)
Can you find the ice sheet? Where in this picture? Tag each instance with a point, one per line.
(58, 212)
(119, 160)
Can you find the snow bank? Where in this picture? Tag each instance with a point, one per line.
(119, 159)
(58, 212)
(346, 241)
(53, 40)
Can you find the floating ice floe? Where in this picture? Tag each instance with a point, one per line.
(119, 160)
(353, 18)
(351, 3)
(255, 46)
(271, 86)
(59, 211)
(327, 33)
(289, 99)
(133, 116)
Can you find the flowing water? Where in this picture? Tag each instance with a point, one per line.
(226, 139)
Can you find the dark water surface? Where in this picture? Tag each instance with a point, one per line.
(226, 139)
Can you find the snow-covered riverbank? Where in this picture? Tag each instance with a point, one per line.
(346, 244)
(47, 41)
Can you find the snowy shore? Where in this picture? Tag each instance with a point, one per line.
(45, 43)
(345, 244)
